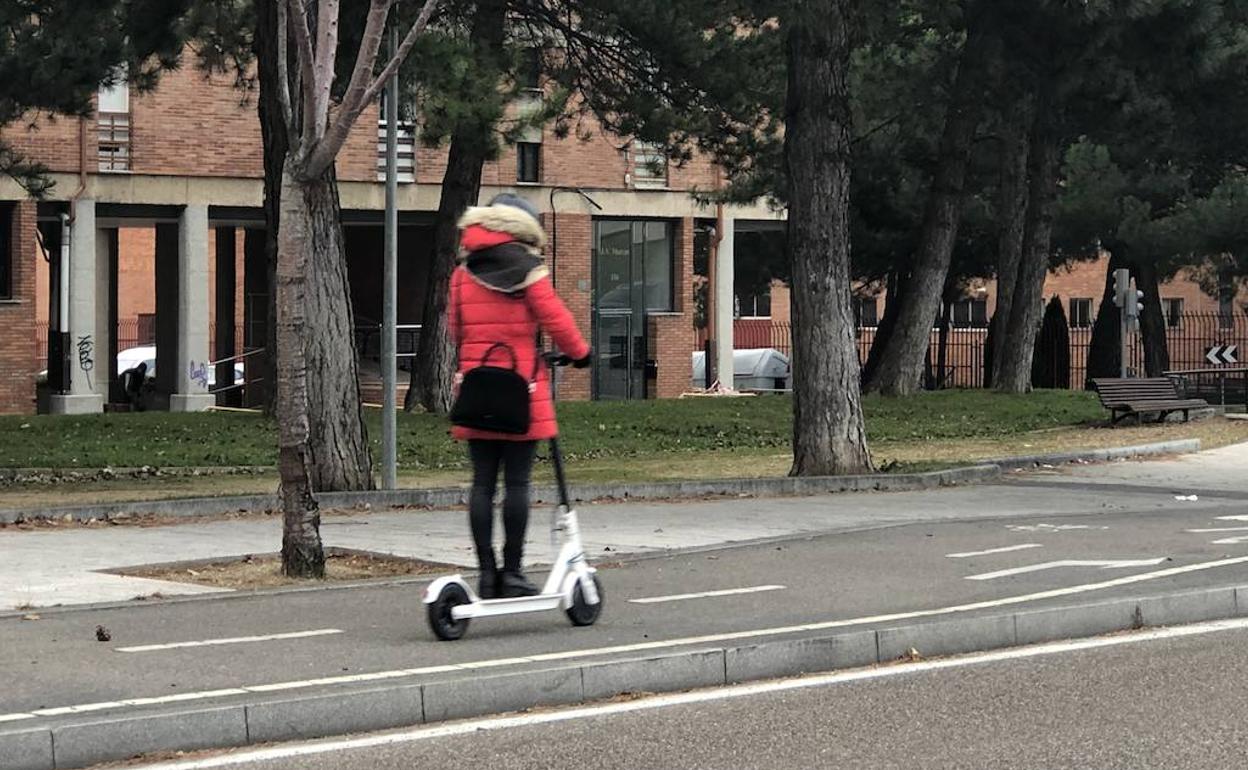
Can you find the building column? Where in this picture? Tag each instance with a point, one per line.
(725, 303)
(86, 354)
(191, 355)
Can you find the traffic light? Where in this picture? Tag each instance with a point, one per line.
(1136, 306)
(1122, 285)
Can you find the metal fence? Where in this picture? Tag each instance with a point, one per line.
(137, 332)
(1189, 338)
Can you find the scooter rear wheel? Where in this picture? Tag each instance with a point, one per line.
(581, 612)
(444, 625)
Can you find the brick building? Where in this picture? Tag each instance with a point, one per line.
(153, 234)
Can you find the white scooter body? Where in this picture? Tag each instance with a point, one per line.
(569, 569)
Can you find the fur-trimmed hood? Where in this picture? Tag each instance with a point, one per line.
(506, 219)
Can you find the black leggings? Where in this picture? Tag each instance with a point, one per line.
(516, 457)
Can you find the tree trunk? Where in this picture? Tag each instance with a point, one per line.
(471, 146)
(1012, 210)
(338, 445)
(901, 365)
(829, 435)
(888, 321)
(1104, 350)
(274, 139)
(942, 345)
(302, 554)
(1013, 374)
(1153, 323)
(435, 359)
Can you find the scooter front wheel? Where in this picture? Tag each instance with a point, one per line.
(441, 620)
(581, 612)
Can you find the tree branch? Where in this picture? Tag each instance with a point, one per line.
(358, 96)
(283, 71)
(307, 61)
(326, 58)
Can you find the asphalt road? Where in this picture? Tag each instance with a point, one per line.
(1175, 703)
(902, 573)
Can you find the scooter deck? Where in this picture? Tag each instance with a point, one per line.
(484, 608)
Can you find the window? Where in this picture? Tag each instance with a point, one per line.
(866, 311)
(529, 162)
(649, 166)
(1226, 306)
(1173, 307)
(7, 212)
(406, 159)
(970, 314)
(753, 305)
(657, 266)
(529, 70)
(1080, 313)
(113, 112)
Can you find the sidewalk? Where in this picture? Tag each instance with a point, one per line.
(62, 567)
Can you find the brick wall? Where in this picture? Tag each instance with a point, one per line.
(574, 282)
(194, 124)
(18, 361)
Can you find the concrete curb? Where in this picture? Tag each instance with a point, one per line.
(97, 739)
(444, 498)
(664, 490)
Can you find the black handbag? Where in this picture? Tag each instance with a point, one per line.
(494, 398)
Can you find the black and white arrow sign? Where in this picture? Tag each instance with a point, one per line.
(1221, 354)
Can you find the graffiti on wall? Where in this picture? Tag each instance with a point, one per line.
(86, 356)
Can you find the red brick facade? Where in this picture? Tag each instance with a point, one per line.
(197, 127)
(18, 361)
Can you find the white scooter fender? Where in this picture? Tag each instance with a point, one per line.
(434, 589)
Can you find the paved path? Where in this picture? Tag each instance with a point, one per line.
(50, 567)
(1141, 703)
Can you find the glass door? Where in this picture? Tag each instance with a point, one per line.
(619, 311)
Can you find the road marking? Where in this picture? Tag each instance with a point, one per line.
(231, 640)
(1102, 564)
(1006, 549)
(497, 723)
(729, 636)
(1236, 517)
(1219, 529)
(1049, 527)
(1231, 540)
(706, 594)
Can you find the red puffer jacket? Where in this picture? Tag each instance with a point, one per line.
(480, 317)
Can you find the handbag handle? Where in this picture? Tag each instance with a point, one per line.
(485, 359)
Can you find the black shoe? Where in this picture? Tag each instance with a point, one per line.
(488, 587)
(515, 584)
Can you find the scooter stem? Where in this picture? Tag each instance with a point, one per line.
(562, 483)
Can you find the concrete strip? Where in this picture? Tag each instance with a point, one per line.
(27, 750)
(105, 740)
(1050, 625)
(665, 673)
(446, 498)
(800, 656)
(1189, 607)
(509, 692)
(946, 637)
(1179, 446)
(335, 713)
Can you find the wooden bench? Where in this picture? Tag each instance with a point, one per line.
(1124, 397)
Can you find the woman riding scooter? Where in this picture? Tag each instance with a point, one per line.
(501, 295)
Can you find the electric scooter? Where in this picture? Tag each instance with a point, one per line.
(572, 585)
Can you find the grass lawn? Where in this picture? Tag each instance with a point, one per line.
(590, 430)
(621, 442)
